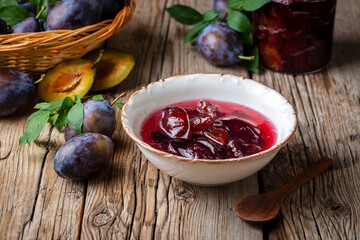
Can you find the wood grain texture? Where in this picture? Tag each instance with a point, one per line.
(131, 199)
(327, 104)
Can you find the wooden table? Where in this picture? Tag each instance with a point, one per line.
(132, 199)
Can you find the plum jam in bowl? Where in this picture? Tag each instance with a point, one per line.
(209, 129)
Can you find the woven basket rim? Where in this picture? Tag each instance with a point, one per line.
(24, 41)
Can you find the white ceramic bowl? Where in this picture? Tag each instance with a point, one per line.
(227, 88)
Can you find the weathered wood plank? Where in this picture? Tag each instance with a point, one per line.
(20, 173)
(59, 206)
(131, 199)
(150, 204)
(328, 109)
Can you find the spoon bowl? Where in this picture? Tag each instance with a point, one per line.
(263, 208)
(258, 208)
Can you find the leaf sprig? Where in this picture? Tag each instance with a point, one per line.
(235, 19)
(58, 114)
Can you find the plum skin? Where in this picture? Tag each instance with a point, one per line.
(30, 24)
(16, 88)
(99, 117)
(83, 156)
(220, 6)
(110, 8)
(73, 14)
(3, 27)
(219, 44)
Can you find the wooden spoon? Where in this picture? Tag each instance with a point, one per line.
(262, 208)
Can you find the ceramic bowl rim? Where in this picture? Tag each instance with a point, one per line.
(206, 161)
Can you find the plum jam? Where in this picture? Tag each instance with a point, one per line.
(294, 36)
(208, 129)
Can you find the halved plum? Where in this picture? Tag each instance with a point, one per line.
(189, 149)
(113, 67)
(175, 122)
(234, 149)
(67, 79)
(218, 135)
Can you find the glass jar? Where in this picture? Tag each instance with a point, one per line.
(294, 36)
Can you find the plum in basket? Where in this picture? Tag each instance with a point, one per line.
(73, 14)
(30, 24)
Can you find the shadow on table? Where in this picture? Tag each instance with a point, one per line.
(345, 52)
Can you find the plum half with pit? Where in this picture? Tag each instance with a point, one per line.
(16, 88)
(83, 156)
(219, 44)
(114, 66)
(69, 78)
(99, 117)
(73, 14)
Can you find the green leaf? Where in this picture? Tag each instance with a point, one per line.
(60, 121)
(97, 97)
(210, 15)
(234, 4)
(57, 104)
(66, 104)
(64, 109)
(34, 126)
(251, 65)
(239, 22)
(246, 38)
(13, 14)
(52, 119)
(184, 14)
(76, 116)
(5, 3)
(44, 106)
(119, 105)
(77, 98)
(192, 33)
(251, 5)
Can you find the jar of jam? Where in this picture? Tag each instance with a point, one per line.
(294, 36)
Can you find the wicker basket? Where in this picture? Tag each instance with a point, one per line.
(40, 51)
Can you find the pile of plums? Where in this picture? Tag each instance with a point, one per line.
(67, 14)
(84, 155)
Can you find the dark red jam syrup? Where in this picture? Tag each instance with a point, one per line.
(294, 36)
(203, 129)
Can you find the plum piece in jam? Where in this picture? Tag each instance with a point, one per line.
(204, 129)
(175, 122)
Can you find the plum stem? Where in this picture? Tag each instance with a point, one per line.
(40, 79)
(249, 58)
(118, 97)
(100, 56)
(41, 11)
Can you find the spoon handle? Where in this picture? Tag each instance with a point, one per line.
(308, 174)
